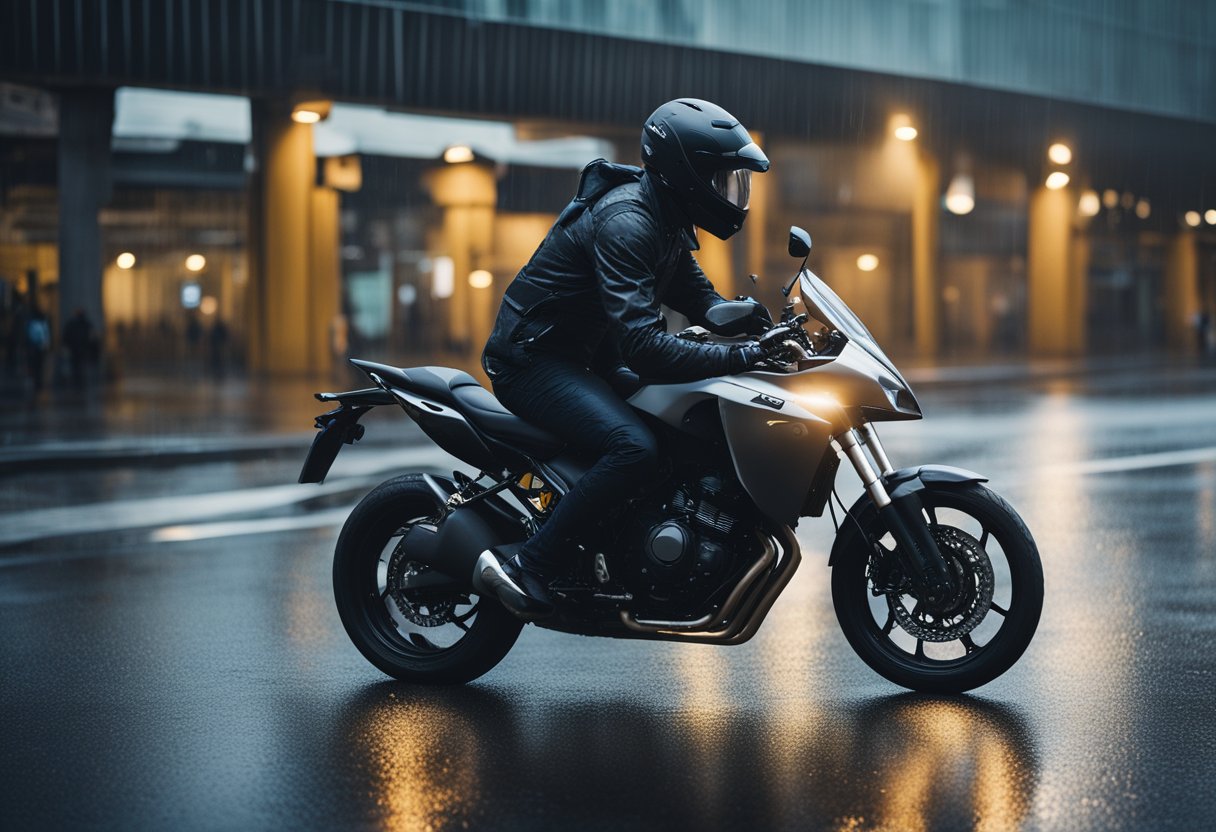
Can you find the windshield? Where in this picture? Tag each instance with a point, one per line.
(824, 305)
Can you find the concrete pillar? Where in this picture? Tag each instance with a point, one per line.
(1182, 296)
(468, 194)
(1055, 304)
(1078, 292)
(926, 210)
(325, 276)
(293, 293)
(714, 258)
(86, 119)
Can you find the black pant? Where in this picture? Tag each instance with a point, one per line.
(573, 403)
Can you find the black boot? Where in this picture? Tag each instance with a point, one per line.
(519, 586)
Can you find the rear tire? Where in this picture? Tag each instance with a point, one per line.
(485, 636)
(1014, 619)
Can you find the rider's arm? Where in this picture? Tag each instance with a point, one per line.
(690, 293)
(626, 249)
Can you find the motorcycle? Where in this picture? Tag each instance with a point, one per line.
(935, 579)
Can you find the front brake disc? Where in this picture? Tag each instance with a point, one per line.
(966, 609)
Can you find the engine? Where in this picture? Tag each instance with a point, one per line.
(689, 545)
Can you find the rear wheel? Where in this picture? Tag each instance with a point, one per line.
(977, 634)
(433, 635)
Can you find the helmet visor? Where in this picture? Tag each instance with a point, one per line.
(735, 186)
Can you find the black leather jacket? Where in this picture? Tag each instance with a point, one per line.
(593, 289)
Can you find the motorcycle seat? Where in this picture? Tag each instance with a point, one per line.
(458, 389)
(432, 382)
(488, 415)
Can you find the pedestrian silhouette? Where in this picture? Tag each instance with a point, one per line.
(37, 345)
(78, 339)
(218, 342)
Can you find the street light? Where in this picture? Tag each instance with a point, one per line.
(1090, 204)
(1143, 209)
(1057, 179)
(458, 153)
(1060, 153)
(196, 262)
(1193, 219)
(867, 262)
(960, 195)
(901, 125)
(125, 260)
(310, 112)
(480, 279)
(1210, 216)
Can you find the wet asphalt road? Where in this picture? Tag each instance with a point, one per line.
(171, 659)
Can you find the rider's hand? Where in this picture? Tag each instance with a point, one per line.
(769, 345)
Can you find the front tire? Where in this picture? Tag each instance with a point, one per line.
(420, 636)
(997, 616)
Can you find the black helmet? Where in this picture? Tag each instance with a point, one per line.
(705, 156)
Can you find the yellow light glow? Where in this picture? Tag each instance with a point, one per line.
(818, 401)
(1057, 179)
(1143, 209)
(1110, 198)
(196, 262)
(458, 153)
(1090, 204)
(867, 262)
(1193, 219)
(960, 195)
(208, 305)
(1210, 216)
(902, 127)
(305, 116)
(125, 260)
(960, 203)
(1059, 153)
(480, 279)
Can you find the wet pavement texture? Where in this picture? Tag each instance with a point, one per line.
(171, 658)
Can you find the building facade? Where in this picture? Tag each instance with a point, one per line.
(316, 177)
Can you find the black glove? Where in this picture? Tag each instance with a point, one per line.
(768, 345)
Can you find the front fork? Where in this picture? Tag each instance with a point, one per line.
(919, 553)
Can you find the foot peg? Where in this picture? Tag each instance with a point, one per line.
(515, 588)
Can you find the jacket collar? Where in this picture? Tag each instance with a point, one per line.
(674, 219)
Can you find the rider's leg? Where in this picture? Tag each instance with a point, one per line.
(580, 407)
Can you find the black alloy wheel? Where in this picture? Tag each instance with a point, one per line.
(439, 635)
(972, 637)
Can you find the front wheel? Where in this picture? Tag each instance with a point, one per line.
(412, 628)
(972, 638)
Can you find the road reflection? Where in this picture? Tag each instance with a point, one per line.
(480, 756)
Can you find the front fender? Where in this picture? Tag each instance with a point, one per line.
(908, 480)
(901, 483)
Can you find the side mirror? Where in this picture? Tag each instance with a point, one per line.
(737, 317)
(800, 242)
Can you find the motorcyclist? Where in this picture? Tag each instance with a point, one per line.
(588, 304)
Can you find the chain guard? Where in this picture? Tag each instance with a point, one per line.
(972, 570)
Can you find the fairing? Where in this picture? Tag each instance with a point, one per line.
(779, 425)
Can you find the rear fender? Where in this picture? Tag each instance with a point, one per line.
(336, 428)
